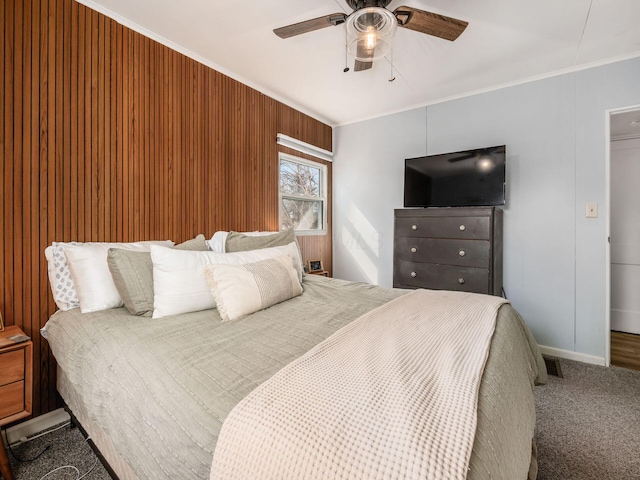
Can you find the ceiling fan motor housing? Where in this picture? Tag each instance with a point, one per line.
(359, 4)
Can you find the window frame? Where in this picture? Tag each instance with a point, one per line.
(321, 198)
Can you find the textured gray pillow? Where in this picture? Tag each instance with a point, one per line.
(132, 273)
(238, 242)
(197, 244)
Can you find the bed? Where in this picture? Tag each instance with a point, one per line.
(153, 395)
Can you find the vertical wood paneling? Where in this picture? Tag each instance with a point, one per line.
(22, 184)
(3, 134)
(3, 73)
(16, 201)
(106, 135)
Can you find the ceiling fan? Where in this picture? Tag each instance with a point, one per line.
(371, 27)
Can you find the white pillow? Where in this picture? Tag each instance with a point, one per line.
(243, 289)
(91, 276)
(218, 242)
(62, 287)
(179, 282)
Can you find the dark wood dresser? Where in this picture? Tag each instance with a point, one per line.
(448, 249)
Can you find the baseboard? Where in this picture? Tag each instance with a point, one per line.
(569, 355)
(36, 426)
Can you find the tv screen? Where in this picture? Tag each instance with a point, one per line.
(472, 178)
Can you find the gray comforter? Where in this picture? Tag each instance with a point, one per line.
(162, 388)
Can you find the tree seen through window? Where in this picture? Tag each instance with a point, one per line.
(302, 196)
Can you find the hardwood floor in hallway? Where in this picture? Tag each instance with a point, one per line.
(625, 350)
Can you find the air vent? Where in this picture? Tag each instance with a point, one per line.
(553, 366)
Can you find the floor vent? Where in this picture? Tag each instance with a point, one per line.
(553, 366)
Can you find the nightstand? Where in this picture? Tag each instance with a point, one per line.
(323, 273)
(16, 373)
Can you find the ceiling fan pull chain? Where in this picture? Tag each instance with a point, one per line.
(346, 51)
(391, 77)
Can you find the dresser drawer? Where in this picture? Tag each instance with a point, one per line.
(478, 228)
(441, 277)
(12, 366)
(11, 399)
(464, 253)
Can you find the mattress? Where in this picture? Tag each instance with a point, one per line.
(159, 390)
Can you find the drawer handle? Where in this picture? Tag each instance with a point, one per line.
(414, 249)
(414, 227)
(462, 253)
(462, 228)
(461, 280)
(414, 274)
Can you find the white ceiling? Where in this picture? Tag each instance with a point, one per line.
(506, 42)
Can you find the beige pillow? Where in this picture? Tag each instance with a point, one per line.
(243, 289)
(239, 242)
(219, 239)
(195, 244)
(132, 273)
(179, 281)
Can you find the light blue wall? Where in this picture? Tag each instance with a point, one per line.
(554, 129)
(368, 176)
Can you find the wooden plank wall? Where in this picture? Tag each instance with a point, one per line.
(109, 136)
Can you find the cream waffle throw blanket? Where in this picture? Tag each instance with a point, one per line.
(391, 395)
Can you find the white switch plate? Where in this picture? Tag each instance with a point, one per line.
(592, 210)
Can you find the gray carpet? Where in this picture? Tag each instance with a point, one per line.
(588, 424)
(588, 429)
(67, 447)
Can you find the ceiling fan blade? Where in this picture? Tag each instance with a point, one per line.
(360, 66)
(363, 52)
(430, 23)
(310, 25)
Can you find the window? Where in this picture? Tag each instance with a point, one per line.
(303, 201)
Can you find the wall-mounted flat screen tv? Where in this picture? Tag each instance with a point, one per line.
(472, 178)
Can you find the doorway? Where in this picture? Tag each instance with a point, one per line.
(624, 237)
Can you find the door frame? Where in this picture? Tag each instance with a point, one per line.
(608, 113)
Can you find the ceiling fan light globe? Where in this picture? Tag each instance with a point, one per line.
(361, 49)
(370, 33)
(371, 40)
